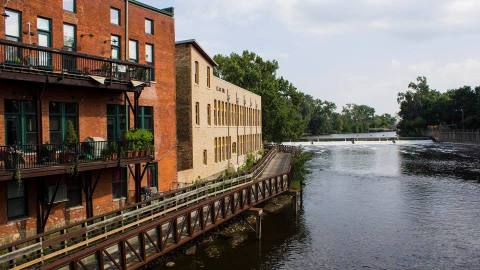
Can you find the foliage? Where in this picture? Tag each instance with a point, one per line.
(299, 169)
(110, 150)
(71, 137)
(421, 106)
(287, 112)
(248, 164)
(139, 139)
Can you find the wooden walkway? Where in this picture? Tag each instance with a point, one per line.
(279, 164)
(133, 237)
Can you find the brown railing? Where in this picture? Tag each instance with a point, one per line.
(28, 58)
(19, 157)
(59, 242)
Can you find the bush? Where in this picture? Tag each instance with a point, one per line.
(71, 137)
(139, 139)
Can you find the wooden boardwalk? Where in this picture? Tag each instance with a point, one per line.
(133, 237)
(280, 163)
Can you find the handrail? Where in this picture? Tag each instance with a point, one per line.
(211, 188)
(18, 157)
(53, 50)
(20, 57)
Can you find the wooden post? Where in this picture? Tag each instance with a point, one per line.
(258, 213)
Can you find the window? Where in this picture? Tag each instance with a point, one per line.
(148, 26)
(115, 16)
(145, 118)
(208, 77)
(116, 122)
(133, 50)
(74, 192)
(149, 54)
(20, 122)
(60, 193)
(116, 48)
(44, 28)
(61, 115)
(197, 113)
(216, 151)
(197, 79)
(69, 37)
(69, 5)
(119, 183)
(205, 157)
(215, 112)
(209, 114)
(152, 175)
(16, 200)
(234, 147)
(13, 25)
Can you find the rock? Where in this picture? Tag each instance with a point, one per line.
(213, 251)
(277, 204)
(238, 239)
(191, 251)
(170, 264)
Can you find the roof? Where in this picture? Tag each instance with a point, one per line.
(166, 11)
(197, 46)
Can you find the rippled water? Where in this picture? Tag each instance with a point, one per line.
(372, 207)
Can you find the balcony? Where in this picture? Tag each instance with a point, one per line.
(50, 159)
(24, 62)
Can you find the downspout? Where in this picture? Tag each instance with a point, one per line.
(127, 45)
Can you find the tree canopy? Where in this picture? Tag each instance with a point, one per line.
(421, 106)
(288, 113)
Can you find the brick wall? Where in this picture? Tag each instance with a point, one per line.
(94, 30)
(184, 108)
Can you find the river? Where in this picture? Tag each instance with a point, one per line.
(383, 206)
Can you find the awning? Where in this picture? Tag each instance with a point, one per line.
(98, 79)
(137, 83)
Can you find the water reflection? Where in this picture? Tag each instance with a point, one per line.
(372, 207)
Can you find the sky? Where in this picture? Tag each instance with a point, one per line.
(345, 51)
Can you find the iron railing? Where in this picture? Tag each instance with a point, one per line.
(28, 58)
(16, 157)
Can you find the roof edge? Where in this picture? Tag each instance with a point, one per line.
(166, 11)
(197, 46)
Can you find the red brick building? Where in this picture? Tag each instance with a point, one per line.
(95, 69)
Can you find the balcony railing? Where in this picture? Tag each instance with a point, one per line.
(19, 157)
(22, 57)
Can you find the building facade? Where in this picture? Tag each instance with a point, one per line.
(218, 123)
(94, 69)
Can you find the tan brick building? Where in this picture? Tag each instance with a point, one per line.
(218, 123)
(103, 67)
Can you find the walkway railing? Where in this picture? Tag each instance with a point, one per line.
(467, 137)
(35, 59)
(43, 155)
(60, 242)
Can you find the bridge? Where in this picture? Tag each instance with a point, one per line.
(135, 236)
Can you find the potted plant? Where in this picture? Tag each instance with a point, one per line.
(71, 142)
(139, 141)
(13, 158)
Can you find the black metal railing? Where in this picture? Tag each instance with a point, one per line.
(19, 56)
(17, 157)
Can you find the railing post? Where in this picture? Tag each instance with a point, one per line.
(201, 218)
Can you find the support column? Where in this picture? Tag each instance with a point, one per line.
(40, 204)
(258, 213)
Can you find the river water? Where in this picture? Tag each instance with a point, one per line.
(384, 206)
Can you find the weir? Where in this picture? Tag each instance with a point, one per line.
(135, 236)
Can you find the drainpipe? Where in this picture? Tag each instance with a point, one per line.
(127, 45)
